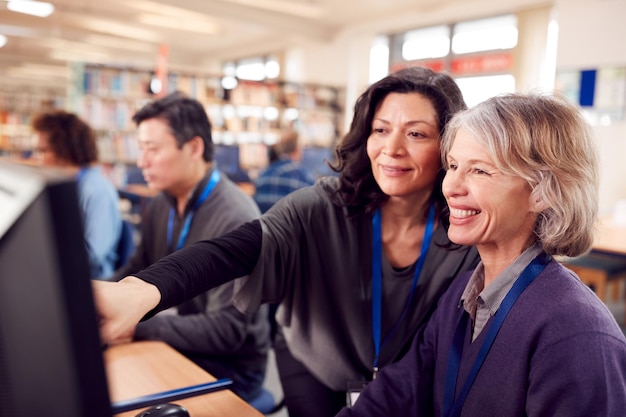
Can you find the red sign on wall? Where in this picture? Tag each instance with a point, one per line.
(498, 62)
(161, 68)
(436, 65)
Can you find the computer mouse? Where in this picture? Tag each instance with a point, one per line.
(165, 410)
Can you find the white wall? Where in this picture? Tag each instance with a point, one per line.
(591, 35)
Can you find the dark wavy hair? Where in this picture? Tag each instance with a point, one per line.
(70, 138)
(185, 116)
(358, 190)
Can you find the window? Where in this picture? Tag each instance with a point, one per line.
(379, 59)
(485, 35)
(477, 89)
(433, 42)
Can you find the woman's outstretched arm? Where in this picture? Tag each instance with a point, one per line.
(175, 278)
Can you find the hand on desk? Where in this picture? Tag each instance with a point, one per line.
(121, 305)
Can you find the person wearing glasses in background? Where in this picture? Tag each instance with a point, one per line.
(283, 175)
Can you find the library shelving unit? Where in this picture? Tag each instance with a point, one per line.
(17, 109)
(250, 116)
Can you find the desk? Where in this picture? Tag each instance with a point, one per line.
(142, 368)
(610, 237)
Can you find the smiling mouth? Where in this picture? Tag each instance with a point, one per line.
(462, 214)
(394, 169)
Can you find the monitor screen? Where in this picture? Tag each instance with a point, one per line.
(315, 160)
(228, 161)
(51, 360)
(227, 158)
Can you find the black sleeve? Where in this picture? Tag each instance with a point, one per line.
(206, 264)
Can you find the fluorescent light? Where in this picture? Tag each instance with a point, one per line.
(229, 83)
(34, 8)
(272, 69)
(253, 70)
(270, 113)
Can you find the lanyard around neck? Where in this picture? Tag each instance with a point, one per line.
(452, 407)
(208, 188)
(377, 279)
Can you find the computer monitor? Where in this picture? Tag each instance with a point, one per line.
(51, 360)
(227, 158)
(316, 159)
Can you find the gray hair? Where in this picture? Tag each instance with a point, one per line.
(545, 140)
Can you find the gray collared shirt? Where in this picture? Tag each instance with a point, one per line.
(482, 303)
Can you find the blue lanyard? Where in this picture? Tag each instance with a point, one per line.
(452, 407)
(208, 188)
(377, 279)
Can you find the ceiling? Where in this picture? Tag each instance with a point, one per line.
(129, 32)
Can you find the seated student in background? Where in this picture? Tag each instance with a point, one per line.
(356, 262)
(521, 335)
(68, 143)
(196, 202)
(283, 176)
(284, 173)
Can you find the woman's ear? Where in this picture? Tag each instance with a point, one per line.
(537, 203)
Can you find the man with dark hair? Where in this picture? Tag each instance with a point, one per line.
(196, 203)
(68, 143)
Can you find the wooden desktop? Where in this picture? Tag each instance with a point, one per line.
(142, 368)
(610, 237)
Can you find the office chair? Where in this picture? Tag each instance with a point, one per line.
(126, 244)
(265, 404)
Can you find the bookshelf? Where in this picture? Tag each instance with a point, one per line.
(17, 109)
(250, 116)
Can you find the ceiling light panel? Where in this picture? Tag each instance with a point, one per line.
(34, 8)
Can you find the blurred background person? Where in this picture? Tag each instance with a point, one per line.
(66, 142)
(284, 173)
(195, 202)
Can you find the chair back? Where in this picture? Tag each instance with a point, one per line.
(126, 244)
